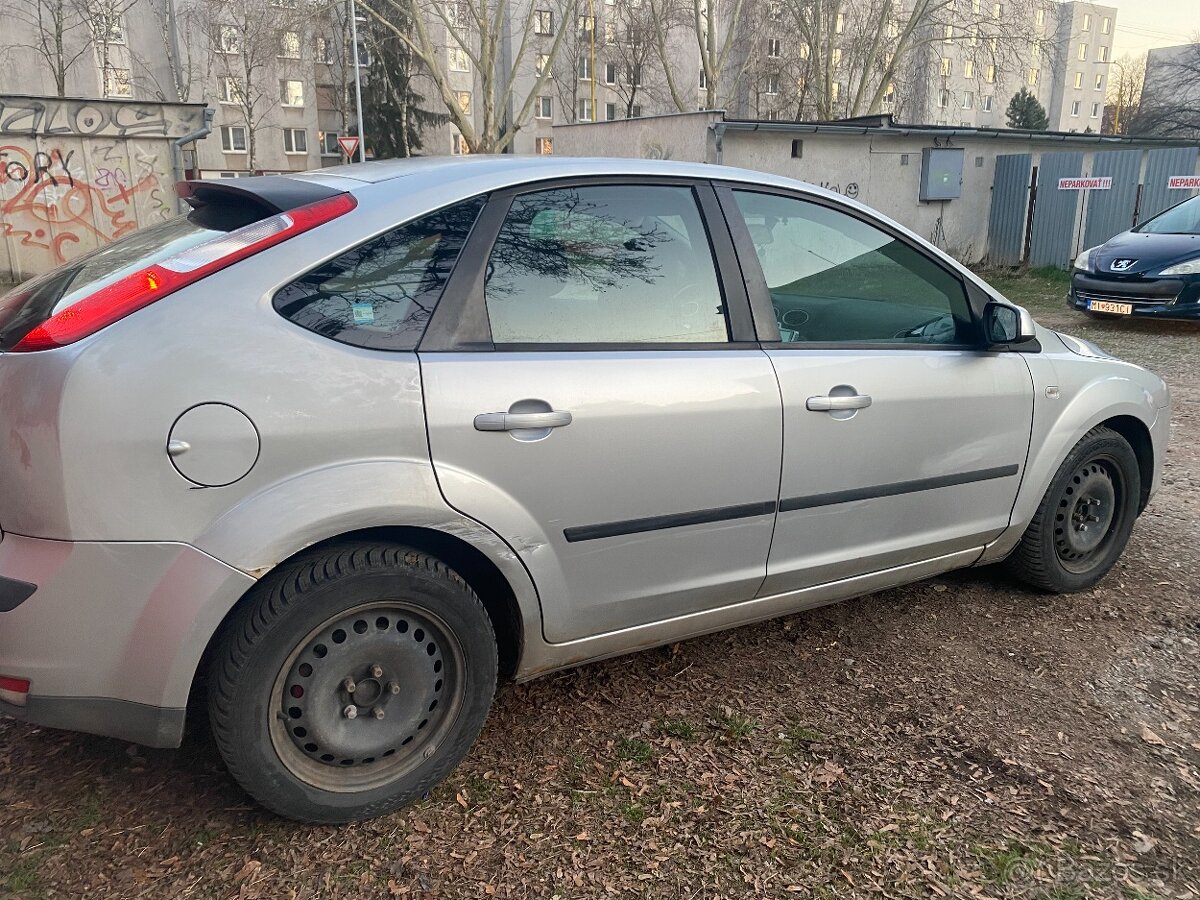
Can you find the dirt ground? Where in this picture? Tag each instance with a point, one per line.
(960, 737)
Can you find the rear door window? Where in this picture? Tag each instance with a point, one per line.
(380, 294)
(602, 265)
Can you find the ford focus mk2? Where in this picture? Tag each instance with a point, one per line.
(349, 447)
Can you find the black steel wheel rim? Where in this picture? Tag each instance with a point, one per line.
(367, 696)
(1087, 514)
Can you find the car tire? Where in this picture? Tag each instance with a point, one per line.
(1084, 520)
(353, 681)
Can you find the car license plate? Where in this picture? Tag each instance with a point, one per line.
(1105, 306)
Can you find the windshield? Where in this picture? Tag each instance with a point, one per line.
(1181, 219)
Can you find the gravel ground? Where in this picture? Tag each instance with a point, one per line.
(959, 737)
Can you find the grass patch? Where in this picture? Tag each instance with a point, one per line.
(677, 728)
(732, 726)
(634, 750)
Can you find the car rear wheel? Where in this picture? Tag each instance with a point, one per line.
(353, 681)
(1084, 520)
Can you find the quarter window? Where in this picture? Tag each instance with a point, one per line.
(380, 294)
(612, 264)
(835, 279)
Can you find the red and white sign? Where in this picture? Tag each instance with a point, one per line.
(1085, 184)
(1183, 182)
(349, 146)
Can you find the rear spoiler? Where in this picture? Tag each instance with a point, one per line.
(271, 193)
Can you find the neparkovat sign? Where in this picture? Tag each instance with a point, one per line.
(1085, 184)
(1183, 182)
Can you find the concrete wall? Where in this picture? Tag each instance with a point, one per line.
(882, 170)
(76, 174)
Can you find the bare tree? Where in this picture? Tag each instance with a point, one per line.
(186, 63)
(630, 45)
(1170, 99)
(58, 35)
(495, 42)
(1126, 76)
(105, 21)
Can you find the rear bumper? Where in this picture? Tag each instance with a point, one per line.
(112, 636)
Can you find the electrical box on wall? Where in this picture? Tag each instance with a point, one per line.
(941, 173)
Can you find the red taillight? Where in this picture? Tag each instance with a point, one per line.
(14, 690)
(131, 293)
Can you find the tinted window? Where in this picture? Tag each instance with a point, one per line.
(604, 265)
(381, 293)
(835, 279)
(1181, 219)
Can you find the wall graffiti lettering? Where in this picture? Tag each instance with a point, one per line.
(850, 189)
(52, 116)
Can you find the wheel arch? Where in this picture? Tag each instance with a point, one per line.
(1134, 431)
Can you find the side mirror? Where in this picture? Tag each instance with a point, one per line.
(1004, 323)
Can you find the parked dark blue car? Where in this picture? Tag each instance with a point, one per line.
(1152, 271)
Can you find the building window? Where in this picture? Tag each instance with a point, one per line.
(110, 28)
(584, 112)
(291, 92)
(973, 36)
(229, 90)
(943, 98)
(990, 75)
(985, 103)
(610, 111)
(117, 83)
(1040, 17)
(1087, 22)
(586, 25)
(289, 45)
(610, 73)
(968, 101)
(998, 10)
(635, 111)
(324, 51)
(835, 91)
(544, 146)
(543, 21)
(458, 145)
(1102, 54)
(1081, 52)
(1105, 25)
(893, 29)
(889, 96)
(329, 143)
(1095, 110)
(797, 148)
(1074, 107)
(836, 56)
(1078, 79)
(233, 138)
(295, 140)
(635, 75)
(1099, 82)
(585, 68)
(840, 24)
(459, 61)
(610, 33)
(773, 48)
(968, 68)
(464, 101)
(229, 39)
(946, 66)
(1032, 76)
(703, 79)
(542, 66)
(772, 84)
(545, 108)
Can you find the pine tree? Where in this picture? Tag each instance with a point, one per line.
(1025, 112)
(393, 115)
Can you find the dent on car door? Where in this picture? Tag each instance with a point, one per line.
(904, 440)
(614, 431)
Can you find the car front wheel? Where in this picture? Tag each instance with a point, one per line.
(1084, 520)
(352, 682)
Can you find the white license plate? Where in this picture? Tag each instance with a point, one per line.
(1104, 306)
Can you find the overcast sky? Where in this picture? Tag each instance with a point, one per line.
(1142, 24)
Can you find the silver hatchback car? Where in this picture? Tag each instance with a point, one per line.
(349, 446)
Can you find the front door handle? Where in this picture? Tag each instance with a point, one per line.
(507, 421)
(828, 404)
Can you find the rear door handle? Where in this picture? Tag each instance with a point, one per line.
(506, 421)
(828, 404)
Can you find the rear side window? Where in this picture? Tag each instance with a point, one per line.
(613, 264)
(380, 294)
(32, 303)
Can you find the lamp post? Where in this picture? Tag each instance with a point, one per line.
(362, 138)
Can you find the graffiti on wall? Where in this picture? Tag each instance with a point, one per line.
(65, 116)
(76, 174)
